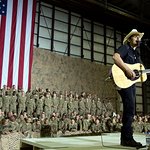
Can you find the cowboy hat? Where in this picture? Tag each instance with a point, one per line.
(132, 32)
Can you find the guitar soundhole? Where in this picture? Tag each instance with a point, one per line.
(137, 75)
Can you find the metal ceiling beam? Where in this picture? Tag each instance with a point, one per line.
(101, 6)
(112, 8)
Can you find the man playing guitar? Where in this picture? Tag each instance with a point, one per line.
(127, 54)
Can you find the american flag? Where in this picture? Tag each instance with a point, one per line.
(17, 19)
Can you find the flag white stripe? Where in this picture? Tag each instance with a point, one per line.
(17, 43)
(7, 42)
(27, 46)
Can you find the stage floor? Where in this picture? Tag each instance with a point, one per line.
(110, 141)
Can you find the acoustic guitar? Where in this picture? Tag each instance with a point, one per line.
(122, 81)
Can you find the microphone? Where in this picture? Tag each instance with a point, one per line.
(144, 40)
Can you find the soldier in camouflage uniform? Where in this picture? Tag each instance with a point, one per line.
(64, 106)
(28, 95)
(70, 105)
(82, 106)
(146, 121)
(36, 128)
(36, 99)
(14, 124)
(21, 102)
(1, 115)
(54, 126)
(109, 107)
(60, 105)
(42, 118)
(30, 104)
(87, 123)
(1, 100)
(87, 104)
(96, 126)
(13, 89)
(93, 107)
(27, 127)
(78, 120)
(40, 105)
(6, 128)
(72, 126)
(138, 125)
(13, 102)
(98, 107)
(63, 124)
(75, 103)
(48, 105)
(55, 102)
(6, 100)
(35, 95)
(103, 123)
(4, 89)
(21, 121)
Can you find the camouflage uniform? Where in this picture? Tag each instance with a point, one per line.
(54, 126)
(93, 107)
(27, 128)
(109, 107)
(36, 126)
(39, 105)
(87, 105)
(98, 107)
(6, 128)
(137, 127)
(146, 127)
(75, 104)
(14, 124)
(55, 102)
(70, 106)
(6, 100)
(60, 105)
(81, 106)
(72, 126)
(1, 101)
(63, 124)
(96, 126)
(47, 105)
(86, 124)
(21, 121)
(21, 103)
(64, 107)
(13, 103)
(30, 104)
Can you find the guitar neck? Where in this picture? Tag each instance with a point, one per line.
(145, 71)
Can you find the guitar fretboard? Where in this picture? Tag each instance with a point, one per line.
(145, 71)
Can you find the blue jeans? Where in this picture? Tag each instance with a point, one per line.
(128, 99)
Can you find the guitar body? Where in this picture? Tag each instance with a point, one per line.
(122, 81)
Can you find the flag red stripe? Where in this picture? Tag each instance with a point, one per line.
(12, 43)
(2, 38)
(22, 44)
(31, 43)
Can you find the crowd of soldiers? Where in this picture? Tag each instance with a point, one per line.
(55, 114)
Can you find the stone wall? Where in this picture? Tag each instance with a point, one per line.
(60, 73)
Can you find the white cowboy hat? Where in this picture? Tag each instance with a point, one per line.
(132, 32)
